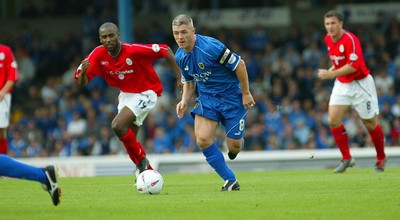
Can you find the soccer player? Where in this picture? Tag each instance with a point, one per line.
(129, 68)
(224, 96)
(47, 176)
(8, 77)
(354, 88)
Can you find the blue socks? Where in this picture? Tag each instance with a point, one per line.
(215, 158)
(15, 169)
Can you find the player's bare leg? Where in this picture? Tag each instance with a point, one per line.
(234, 147)
(126, 131)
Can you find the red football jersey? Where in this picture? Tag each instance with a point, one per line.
(8, 66)
(131, 71)
(347, 50)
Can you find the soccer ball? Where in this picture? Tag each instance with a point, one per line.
(149, 182)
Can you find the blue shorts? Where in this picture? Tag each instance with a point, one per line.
(227, 110)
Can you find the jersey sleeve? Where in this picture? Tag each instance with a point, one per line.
(151, 52)
(353, 52)
(179, 61)
(328, 45)
(11, 65)
(93, 68)
(224, 55)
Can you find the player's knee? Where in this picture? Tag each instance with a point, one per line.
(370, 124)
(334, 123)
(118, 129)
(3, 133)
(203, 142)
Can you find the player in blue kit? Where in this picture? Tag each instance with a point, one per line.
(47, 176)
(224, 95)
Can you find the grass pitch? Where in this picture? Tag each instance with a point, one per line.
(306, 194)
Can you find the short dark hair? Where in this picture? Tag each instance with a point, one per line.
(182, 20)
(334, 13)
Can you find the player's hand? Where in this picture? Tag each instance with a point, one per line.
(2, 95)
(82, 79)
(85, 65)
(180, 109)
(248, 100)
(325, 74)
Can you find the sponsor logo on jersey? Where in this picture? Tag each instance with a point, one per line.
(186, 68)
(121, 74)
(103, 63)
(201, 76)
(336, 59)
(2, 56)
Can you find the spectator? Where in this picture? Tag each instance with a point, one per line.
(77, 127)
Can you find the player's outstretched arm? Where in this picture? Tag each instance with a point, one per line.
(82, 78)
(171, 62)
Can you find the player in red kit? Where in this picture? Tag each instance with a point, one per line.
(8, 77)
(128, 67)
(354, 88)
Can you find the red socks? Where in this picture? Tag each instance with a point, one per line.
(342, 141)
(3, 146)
(134, 149)
(377, 138)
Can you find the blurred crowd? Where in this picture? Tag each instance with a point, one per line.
(53, 116)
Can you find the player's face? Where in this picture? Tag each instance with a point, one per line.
(109, 38)
(184, 36)
(333, 26)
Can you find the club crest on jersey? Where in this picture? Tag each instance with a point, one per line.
(155, 47)
(353, 57)
(128, 61)
(232, 59)
(186, 68)
(2, 56)
(201, 65)
(14, 64)
(341, 48)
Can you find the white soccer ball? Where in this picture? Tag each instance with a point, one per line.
(149, 182)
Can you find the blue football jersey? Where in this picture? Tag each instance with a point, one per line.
(211, 64)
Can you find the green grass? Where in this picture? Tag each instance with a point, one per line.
(308, 194)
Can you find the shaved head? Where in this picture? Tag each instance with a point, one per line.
(109, 25)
